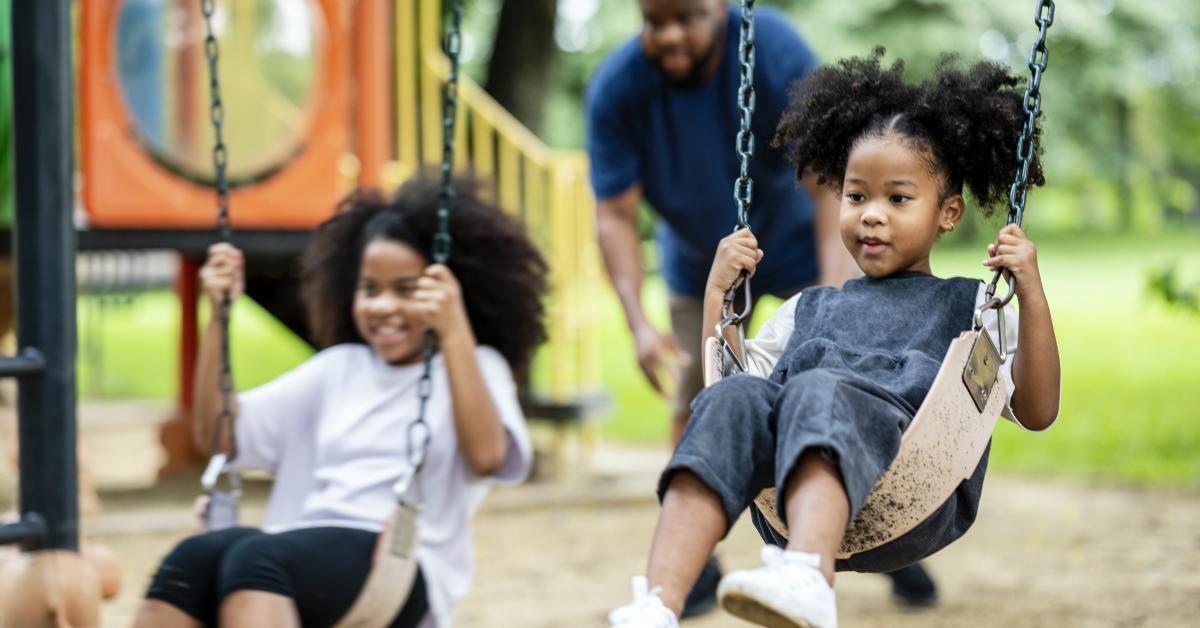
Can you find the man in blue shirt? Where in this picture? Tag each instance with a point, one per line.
(662, 120)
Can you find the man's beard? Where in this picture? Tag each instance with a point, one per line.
(696, 74)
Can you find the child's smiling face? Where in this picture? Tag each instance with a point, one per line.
(893, 207)
(383, 300)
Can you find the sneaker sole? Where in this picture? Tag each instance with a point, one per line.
(754, 611)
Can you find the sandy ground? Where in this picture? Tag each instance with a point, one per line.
(560, 554)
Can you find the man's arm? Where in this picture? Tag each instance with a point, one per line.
(834, 263)
(616, 228)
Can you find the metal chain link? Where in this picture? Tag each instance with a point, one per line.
(743, 188)
(1032, 104)
(220, 156)
(453, 44)
(418, 430)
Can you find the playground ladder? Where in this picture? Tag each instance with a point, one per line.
(44, 247)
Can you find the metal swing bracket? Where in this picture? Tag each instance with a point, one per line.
(214, 470)
(730, 362)
(222, 509)
(983, 363)
(982, 369)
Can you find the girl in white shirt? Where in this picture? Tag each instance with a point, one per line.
(334, 432)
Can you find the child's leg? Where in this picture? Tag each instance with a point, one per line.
(817, 508)
(250, 609)
(726, 456)
(795, 587)
(691, 524)
(185, 585)
(160, 614)
(837, 435)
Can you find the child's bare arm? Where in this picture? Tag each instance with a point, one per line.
(736, 252)
(1036, 370)
(223, 273)
(477, 425)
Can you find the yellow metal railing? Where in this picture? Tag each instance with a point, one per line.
(547, 188)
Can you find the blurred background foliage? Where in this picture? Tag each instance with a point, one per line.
(1122, 92)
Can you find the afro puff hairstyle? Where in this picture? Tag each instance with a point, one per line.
(502, 274)
(966, 121)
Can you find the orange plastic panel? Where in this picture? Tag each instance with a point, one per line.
(373, 112)
(124, 187)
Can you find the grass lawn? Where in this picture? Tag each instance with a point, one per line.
(131, 350)
(1131, 367)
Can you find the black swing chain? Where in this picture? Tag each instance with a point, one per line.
(220, 157)
(1032, 104)
(441, 240)
(743, 188)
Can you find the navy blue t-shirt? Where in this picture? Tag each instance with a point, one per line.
(678, 142)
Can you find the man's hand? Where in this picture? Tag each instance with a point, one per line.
(660, 357)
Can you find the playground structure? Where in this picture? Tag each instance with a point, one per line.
(53, 584)
(361, 108)
(320, 98)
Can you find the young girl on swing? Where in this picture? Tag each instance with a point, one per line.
(841, 373)
(334, 431)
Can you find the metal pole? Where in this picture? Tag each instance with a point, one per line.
(45, 264)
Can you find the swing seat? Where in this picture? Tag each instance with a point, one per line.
(940, 449)
(393, 572)
(393, 567)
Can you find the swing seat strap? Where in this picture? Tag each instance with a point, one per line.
(392, 575)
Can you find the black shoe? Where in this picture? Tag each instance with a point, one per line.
(703, 596)
(912, 586)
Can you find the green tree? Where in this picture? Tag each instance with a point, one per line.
(1121, 94)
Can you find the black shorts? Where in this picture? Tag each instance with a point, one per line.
(321, 569)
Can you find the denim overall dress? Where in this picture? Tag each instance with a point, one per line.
(849, 382)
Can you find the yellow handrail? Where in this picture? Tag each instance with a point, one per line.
(547, 188)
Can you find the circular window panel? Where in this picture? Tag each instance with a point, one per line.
(266, 68)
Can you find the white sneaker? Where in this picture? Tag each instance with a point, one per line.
(646, 611)
(789, 591)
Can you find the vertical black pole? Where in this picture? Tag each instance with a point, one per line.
(44, 244)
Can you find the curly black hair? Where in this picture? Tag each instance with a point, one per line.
(502, 274)
(966, 122)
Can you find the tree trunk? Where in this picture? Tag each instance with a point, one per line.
(522, 59)
(1124, 153)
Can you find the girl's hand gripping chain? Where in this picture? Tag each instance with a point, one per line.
(223, 272)
(736, 252)
(1017, 255)
(437, 301)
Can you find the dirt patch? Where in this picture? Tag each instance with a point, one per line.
(1042, 553)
